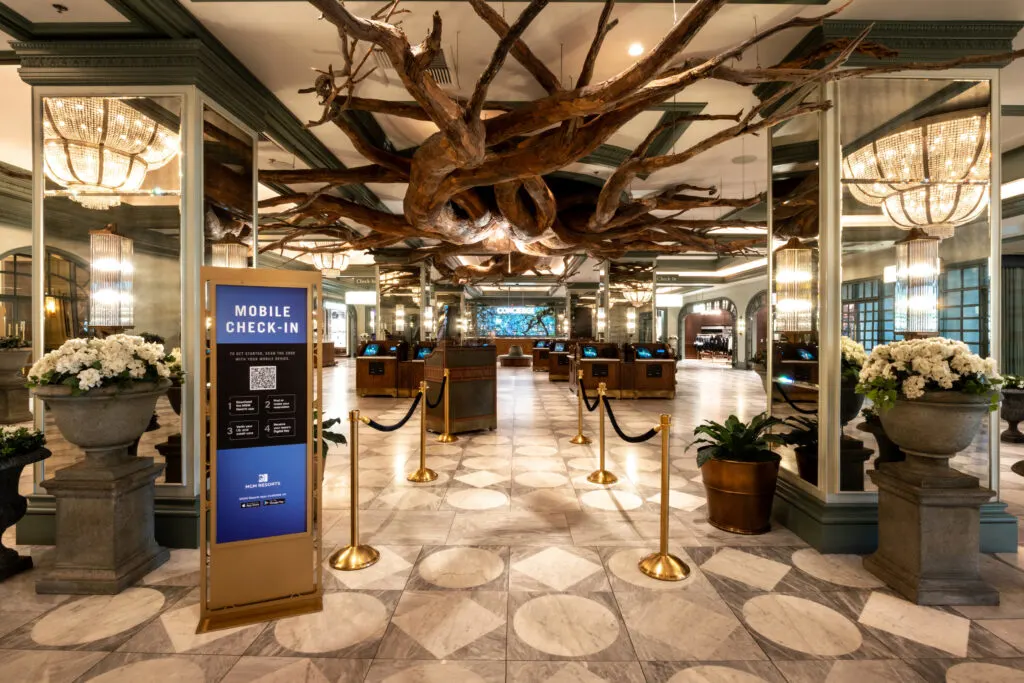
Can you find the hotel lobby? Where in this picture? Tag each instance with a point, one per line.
(581, 342)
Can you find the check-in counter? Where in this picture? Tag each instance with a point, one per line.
(559, 363)
(649, 371)
(377, 371)
(599, 362)
(410, 372)
(473, 387)
(541, 350)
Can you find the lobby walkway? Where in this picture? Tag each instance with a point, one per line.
(512, 567)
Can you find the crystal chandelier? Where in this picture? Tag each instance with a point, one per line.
(639, 294)
(932, 174)
(916, 305)
(794, 287)
(100, 147)
(230, 252)
(111, 279)
(330, 264)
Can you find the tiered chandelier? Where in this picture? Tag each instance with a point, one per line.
(932, 174)
(330, 264)
(794, 287)
(99, 148)
(639, 294)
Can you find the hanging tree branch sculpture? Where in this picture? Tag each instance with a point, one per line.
(478, 185)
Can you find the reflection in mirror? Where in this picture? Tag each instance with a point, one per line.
(915, 237)
(792, 384)
(111, 222)
(227, 191)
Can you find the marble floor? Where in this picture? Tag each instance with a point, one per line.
(512, 567)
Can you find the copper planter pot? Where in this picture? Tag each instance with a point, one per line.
(740, 494)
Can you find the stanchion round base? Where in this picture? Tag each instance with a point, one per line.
(422, 475)
(580, 440)
(602, 477)
(447, 438)
(664, 567)
(353, 557)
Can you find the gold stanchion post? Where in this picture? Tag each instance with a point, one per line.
(662, 565)
(580, 438)
(447, 437)
(423, 474)
(601, 476)
(354, 556)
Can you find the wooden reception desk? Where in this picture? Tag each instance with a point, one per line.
(473, 378)
(600, 362)
(558, 361)
(649, 371)
(541, 350)
(377, 368)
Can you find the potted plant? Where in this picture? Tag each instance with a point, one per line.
(177, 377)
(18, 448)
(739, 471)
(930, 394)
(326, 438)
(171, 448)
(803, 439)
(102, 391)
(15, 354)
(1013, 408)
(853, 359)
(887, 450)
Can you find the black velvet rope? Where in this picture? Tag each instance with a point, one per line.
(440, 395)
(646, 436)
(398, 425)
(586, 402)
(790, 402)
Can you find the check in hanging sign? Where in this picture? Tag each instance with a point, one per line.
(263, 553)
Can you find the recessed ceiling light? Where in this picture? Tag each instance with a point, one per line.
(636, 49)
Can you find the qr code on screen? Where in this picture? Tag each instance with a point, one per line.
(262, 378)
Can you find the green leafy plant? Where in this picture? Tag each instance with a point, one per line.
(804, 432)
(736, 440)
(19, 441)
(13, 342)
(328, 435)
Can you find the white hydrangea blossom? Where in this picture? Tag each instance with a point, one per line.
(96, 362)
(853, 352)
(933, 363)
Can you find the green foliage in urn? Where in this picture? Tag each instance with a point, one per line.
(908, 369)
(736, 440)
(854, 357)
(117, 360)
(14, 442)
(804, 432)
(13, 342)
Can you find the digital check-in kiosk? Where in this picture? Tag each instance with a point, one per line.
(558, 361)
(649, 371)
(377, 367)
(541, 350)
(600, 362)
(410, 371)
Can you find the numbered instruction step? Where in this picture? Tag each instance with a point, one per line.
(278, 404)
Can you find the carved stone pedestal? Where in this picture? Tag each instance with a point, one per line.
(105, 539)
(928, 533)
(171, 450)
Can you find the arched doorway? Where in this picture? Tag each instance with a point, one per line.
(707, 331)
(65, 291)
(757, 327)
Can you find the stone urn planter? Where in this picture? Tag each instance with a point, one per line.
(1012, 411)
(171, 449)
(13, 506)
(13, 394)
(850, 402)
(928, 513)
(105, 539)
(887, 450)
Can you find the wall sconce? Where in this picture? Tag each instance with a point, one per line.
(230, 252)
(794, 284)
(111, 301)
(631, 321)
(428, 320)
(741, 326)
(602, 322)
(373, 321)
(50, 305)
(399, 318)
(917, 285)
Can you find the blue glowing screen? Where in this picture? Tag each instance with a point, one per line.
(371, 350)
(643, 352)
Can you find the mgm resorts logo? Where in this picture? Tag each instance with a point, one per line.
(262, 481)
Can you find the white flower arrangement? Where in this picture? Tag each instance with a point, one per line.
(85, 364)
(912, 367)
(173, 361)
(854, 358)
(1013, 382)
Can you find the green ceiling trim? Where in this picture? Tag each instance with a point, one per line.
(668, 137)
(1013, 110)
(607, 155)
(14, 25)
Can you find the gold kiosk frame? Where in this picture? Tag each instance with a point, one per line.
(252, 581)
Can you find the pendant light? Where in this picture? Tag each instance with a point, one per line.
(230, 252)
(111, 279)
(917, 285)
(794, 287)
